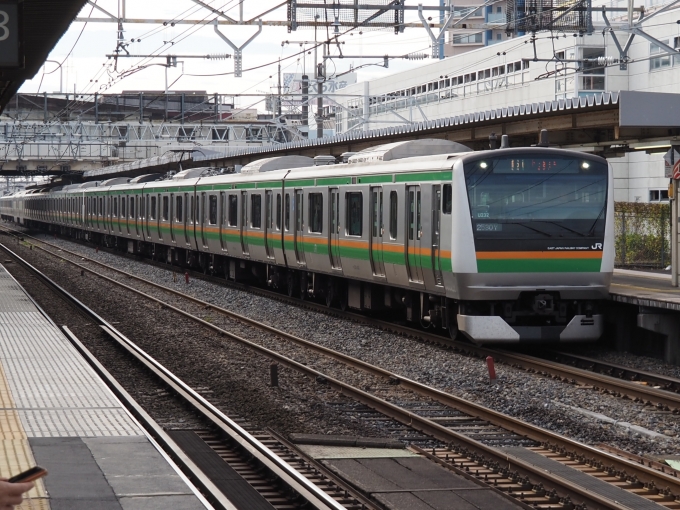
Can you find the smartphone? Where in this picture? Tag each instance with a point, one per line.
(29, 475)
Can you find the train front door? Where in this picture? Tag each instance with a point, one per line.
(377, 228)
(334, 229)
(414, 234)
(299, 227)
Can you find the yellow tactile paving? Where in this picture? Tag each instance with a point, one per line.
(15, 451)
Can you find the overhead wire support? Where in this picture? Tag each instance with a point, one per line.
(635, 28)
(238, 50)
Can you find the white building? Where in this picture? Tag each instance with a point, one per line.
(504, 75)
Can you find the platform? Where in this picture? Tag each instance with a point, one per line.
(644, 288)
(56, 412)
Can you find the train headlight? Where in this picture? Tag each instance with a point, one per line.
(483, 164)
(585, 165)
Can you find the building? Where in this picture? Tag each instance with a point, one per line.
(505, 74)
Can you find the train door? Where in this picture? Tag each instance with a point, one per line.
(299, 226)
(377, 230)
(334, 228)
(436, 234)
(171, 218)
(202, 219)
(189, 203)
(244, 223)
(223, 220)
(268, 224)
(136, 212)
(414, 234)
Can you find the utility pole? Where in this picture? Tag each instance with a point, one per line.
(319, 100)
(305, 105)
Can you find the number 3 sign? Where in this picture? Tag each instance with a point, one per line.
(10, 34)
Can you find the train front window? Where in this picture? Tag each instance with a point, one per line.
(537, 196)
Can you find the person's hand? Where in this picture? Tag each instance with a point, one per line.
(10, 493)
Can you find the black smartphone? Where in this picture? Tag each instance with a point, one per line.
(29, 475)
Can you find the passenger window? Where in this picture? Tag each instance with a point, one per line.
(115, 207)
(394, 211)
(212, 213)
(191, 210)
(315, 212)
(152, 213)
(255, 211)
(166, 208)
(354, 213)
(122, 206)
(233, 210)
(286, 217)
(448, 199)
(132, 207)
(278, 212)
(178, 209)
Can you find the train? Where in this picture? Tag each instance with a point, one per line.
(501, 246)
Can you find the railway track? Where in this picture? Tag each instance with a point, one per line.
(655, 390)
(282, 479)
(473, 433)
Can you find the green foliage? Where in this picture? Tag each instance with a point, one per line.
(643, 234)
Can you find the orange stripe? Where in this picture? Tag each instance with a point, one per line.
(559, 254)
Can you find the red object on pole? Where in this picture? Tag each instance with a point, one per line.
(186, 276)
(492, 369)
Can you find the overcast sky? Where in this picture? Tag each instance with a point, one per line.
(88, 69)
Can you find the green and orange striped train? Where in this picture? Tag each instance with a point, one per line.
(506, 245)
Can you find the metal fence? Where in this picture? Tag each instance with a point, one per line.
(643, 235)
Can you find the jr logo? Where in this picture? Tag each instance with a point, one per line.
(596, 246)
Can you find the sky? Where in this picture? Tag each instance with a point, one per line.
(85, 67)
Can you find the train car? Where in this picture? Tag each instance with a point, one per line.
(505, 246)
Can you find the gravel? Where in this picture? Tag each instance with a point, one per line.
(542, 401)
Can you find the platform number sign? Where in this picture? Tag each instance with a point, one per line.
(10, 34)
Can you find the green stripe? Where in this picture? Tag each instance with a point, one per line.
(370, 179)
(333, 181)
(424, 176)
(245, 185)
(301, 183)
(539, 265)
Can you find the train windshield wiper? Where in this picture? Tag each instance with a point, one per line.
(560, 225)
(527, 226)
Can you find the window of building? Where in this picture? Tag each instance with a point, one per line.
(354, 213)
(256, 211)
(233, 210)
(316, 212)
(658, 195)
(658, 62)
(212, 209)
(178, 209)
(499, 9)
(166, 208)
(499, 37)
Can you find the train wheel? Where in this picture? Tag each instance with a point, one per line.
(330, 293)
(290, 284)
(342, 296)
(453, 321)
